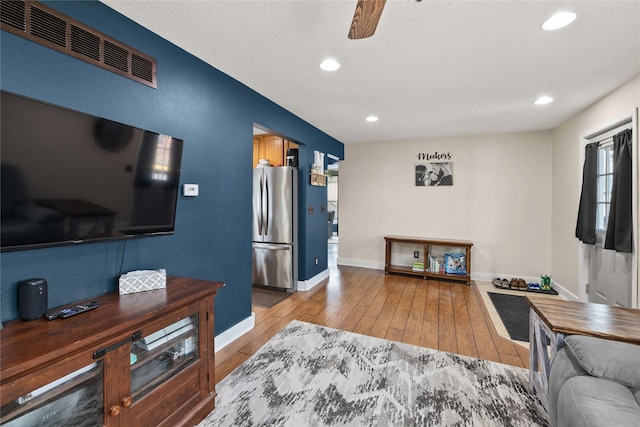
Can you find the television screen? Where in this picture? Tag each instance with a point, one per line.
(69, 177)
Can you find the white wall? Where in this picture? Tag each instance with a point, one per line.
(500, 200)
(567, 181)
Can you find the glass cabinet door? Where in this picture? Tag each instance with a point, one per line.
(75, 399)
(162, 354)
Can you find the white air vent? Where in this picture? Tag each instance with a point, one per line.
(48, 27)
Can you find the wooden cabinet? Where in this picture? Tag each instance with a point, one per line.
(271, 147)
(427, 246)
(141, 359)
(274, 146)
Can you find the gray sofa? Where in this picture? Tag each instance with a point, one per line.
(595, 382)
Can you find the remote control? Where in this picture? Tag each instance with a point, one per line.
(71, 311)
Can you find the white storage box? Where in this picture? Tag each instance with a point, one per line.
(142, 280)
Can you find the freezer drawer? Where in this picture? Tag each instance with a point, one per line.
(273, 265)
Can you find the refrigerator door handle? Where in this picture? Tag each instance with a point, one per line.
(266, 202)
(260, 205)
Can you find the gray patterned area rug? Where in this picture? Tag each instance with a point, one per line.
(310, 375)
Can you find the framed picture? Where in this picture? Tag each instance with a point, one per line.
(433, 174)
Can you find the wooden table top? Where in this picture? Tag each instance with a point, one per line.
(581, 318)
(440, 242)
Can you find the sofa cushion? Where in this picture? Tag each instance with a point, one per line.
(563, 368)
(589, 401)
(613, 360)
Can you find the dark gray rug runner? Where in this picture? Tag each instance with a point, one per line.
(267, 298)
(514, 313)
(310, 375)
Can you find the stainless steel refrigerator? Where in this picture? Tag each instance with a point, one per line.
(275, 227)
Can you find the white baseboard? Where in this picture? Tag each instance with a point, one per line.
(361, 263)
(236, 331)
(239, 329)
(563, 292)
(305, 285)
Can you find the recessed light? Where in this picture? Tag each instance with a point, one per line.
(559, 20)
(543, 100)
(330, 64)
(372, 119)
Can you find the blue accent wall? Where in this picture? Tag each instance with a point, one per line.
(214, 114)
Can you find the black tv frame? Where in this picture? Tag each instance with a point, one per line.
(108, 143)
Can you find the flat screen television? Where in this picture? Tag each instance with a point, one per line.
(69, 177)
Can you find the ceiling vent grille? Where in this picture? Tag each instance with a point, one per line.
(48, 27)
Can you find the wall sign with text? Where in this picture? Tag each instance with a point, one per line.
(434, 170)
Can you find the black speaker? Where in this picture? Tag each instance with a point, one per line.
(32, 298)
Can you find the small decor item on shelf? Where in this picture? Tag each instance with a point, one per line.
(436, 265)
(318, 162)
(142, 280)
(418, 266)
(455, 263)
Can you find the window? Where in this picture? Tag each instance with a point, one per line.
(605, 182)
(605, 179)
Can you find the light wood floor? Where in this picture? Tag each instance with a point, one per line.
(447, 316)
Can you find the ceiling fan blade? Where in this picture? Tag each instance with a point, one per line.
(365, 18)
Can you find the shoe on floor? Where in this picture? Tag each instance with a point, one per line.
(522, 285)
(500, 283)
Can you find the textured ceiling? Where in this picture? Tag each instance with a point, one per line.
(433, 68)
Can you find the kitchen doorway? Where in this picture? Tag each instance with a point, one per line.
(274, 217)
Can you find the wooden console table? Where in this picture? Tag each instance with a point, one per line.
(556, 318)
(425, 245)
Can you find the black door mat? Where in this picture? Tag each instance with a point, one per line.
(267, 298)
(514, 313)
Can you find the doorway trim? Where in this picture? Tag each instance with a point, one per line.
(629, 117)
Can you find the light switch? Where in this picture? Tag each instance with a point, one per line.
(190, 190)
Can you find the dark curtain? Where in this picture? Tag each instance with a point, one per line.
(586, 224)
(620, 226)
